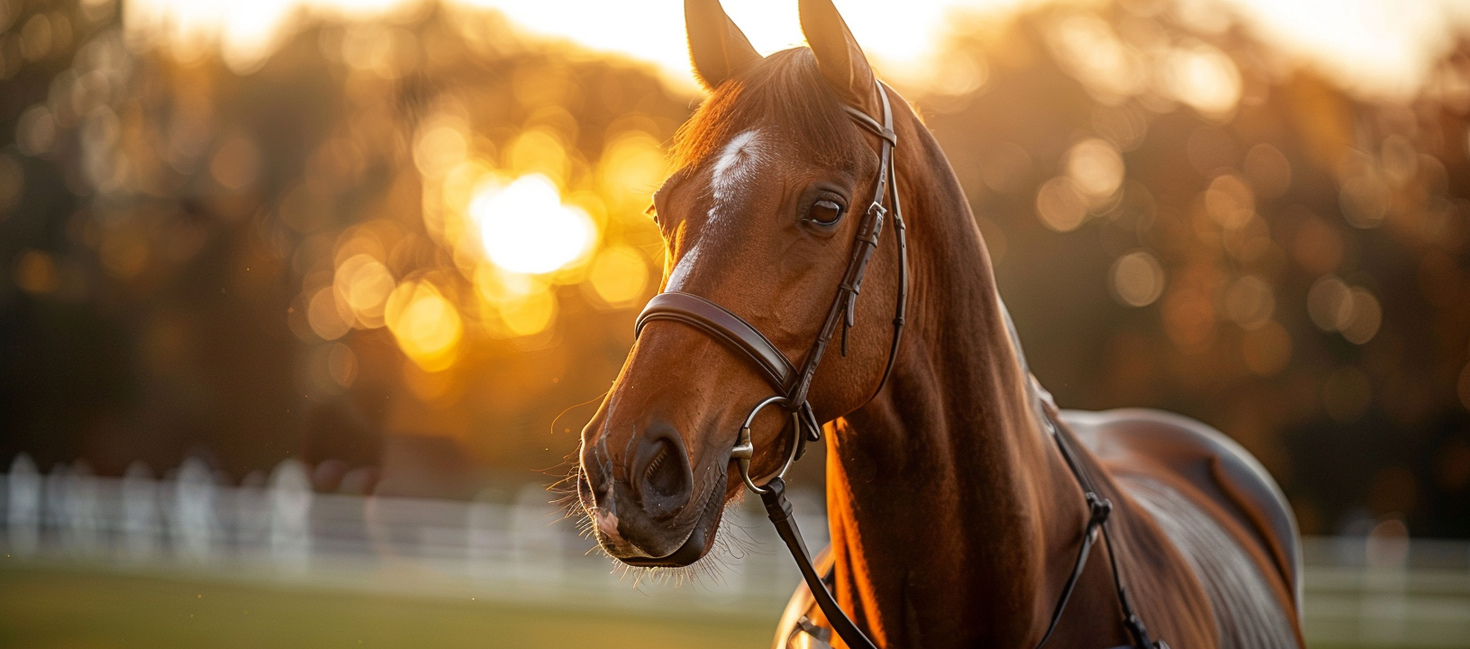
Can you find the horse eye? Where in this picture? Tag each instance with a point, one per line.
(825, 212)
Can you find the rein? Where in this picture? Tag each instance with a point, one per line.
(792, 386)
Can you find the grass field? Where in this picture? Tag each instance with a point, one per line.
(80, 610)
(67, 608)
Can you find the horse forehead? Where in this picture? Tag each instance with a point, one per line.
(739, 167)
(738, 164)
(741, 181)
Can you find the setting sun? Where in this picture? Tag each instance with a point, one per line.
(526, 228)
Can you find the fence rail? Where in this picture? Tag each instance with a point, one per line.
(501, 546)
(1359, 591)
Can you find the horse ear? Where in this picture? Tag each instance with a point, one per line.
(838, 56)
(718, 49)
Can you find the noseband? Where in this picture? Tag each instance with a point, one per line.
(792, 385)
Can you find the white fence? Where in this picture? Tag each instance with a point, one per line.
(514, 546)
(1392, 592)
(1414, 594)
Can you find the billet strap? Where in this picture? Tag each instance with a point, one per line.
(778, 509)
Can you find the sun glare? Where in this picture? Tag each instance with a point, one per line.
(619, 276)
(526, 228)
(1376, 46)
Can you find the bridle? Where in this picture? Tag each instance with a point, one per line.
(792, 386)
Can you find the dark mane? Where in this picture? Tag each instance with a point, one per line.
(786, 90)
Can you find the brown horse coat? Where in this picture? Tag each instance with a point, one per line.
(955, 521)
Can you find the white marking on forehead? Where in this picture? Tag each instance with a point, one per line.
(680, 274)
(735, 169)
(734, 173)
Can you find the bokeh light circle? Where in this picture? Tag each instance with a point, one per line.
(1137, 278)
(619, 276)
(426, 325)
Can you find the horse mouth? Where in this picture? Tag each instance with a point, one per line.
(701, 537)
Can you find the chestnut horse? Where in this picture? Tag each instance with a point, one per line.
(961, 502)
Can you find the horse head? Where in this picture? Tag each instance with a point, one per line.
(761, 218)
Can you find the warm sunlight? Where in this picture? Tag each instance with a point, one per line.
(426, 325)
(351, 292)
(619, 276)
(526, 228)
(1375, 46)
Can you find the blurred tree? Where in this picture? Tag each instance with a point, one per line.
(1182, 222)
(412, 242)
(205, 258)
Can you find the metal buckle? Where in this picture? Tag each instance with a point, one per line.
(744, 450)
(873, 223)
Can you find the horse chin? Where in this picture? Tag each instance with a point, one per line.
(699, 542)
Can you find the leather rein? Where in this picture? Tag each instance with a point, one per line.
(792, 386)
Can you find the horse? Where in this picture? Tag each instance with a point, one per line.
(962, 501)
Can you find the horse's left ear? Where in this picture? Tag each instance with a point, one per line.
(841, 60)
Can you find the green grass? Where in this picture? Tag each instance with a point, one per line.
(67, 608)
(55, 609)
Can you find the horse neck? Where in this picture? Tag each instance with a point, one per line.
(943, 491)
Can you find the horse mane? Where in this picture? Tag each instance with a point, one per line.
(786, 91)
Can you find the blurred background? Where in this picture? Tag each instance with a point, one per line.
(303, 303)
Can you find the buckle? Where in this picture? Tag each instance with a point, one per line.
(873, 223)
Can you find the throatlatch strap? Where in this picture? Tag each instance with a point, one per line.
(864, 245)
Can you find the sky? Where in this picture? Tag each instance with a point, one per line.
(1375, 48)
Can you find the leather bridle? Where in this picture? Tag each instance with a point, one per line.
(792, 385)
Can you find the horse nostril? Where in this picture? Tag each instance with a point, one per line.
(665, 479)
(661, 475)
